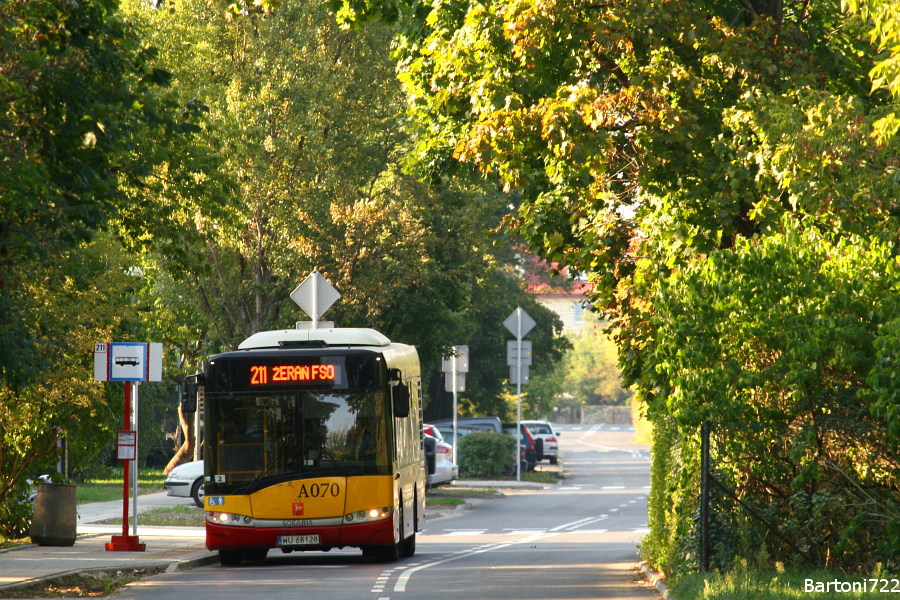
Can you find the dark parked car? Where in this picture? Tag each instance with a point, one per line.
(542, 430)
(471, 423)
(529, 453)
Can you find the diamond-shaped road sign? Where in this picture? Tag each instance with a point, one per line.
(519, 323)
(315, 295)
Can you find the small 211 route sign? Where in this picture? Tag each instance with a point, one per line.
(127, 361)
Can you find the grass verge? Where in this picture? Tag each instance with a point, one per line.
(445, 501)
(746, 584)
(168, 516)
(534, 477)
(83, 585)
(108, 486)
(462, 492)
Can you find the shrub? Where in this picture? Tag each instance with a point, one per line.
(15, 514)
(485, 454)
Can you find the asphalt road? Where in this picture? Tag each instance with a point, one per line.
(575, 540)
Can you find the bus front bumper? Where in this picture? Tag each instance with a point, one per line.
(220, 537)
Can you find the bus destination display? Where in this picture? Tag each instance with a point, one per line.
(285, 374)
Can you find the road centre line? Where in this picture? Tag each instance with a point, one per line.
(572, 523)
(400, 586)
(580, 525)
(592, 531)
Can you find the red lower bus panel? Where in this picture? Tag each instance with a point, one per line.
(225, 536)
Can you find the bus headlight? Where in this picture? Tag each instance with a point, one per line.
(373, 514)
(225, 518)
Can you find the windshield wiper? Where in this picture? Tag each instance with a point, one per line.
(251, 487)
(338, 465)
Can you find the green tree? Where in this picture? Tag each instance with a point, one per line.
(591, 368)
(650, 139)
(87, 127)
(311, 133)
(795, 427)
(84, 100)
(885, 32)
(81, 298)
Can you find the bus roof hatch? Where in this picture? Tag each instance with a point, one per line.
(330, 337)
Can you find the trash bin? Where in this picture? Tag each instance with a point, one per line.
(55, 518)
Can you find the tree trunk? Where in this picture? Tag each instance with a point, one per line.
(186, 452)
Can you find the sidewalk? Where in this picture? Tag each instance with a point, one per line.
(172, 548)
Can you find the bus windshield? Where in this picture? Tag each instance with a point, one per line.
(272, 436)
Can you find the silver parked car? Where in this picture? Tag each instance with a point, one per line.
(186, 481)
(544, 431)
(445, 470)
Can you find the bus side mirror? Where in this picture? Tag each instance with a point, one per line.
(400, 396)
(430, 454)
(189, 397)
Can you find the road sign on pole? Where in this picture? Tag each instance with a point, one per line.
(315, 295)
(455, 383)
(512, 352)
(456, 368)
(519, 323)
(131, 362)
(517, 374)
(127, 361)
(462, 360)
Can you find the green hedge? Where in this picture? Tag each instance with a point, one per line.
(483, 455)
(790, 347)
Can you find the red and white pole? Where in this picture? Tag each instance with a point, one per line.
(125, 542)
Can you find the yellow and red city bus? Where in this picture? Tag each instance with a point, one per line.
(313, 441)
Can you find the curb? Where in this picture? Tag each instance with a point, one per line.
(193, 563)
(173, 567)
(657, 580)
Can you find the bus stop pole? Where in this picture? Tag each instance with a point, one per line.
(134, 474)
(126, 468)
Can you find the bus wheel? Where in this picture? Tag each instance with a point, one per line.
(256, 554)
(389, 552)
(230, 558)
(409, 544)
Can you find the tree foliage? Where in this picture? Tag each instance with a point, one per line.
(795, 425)
(591, 368)
(652, 141)
(80, 298)
(87, 120)
(220, 151)
(308, 121)
(86, 112)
